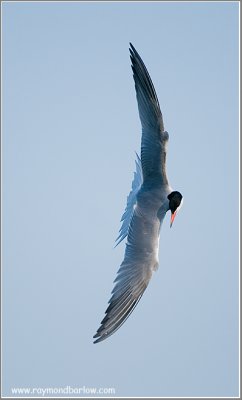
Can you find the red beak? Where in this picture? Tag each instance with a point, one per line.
(172, 218)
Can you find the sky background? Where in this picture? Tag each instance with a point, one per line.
(70, 132)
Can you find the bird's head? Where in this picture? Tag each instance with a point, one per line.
(175, 203)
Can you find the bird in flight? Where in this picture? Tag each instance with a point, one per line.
(150, 198)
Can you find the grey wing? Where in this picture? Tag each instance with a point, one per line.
(154, 137)
(131, 201)
(134, 273)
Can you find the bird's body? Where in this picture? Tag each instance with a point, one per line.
(149, 200)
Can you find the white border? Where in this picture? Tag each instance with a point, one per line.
(117, 1)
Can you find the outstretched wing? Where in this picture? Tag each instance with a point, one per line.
(154, 137)
(134, 273)
(141, 219)
(131, 201)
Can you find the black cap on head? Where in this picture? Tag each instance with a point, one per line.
(175, 200)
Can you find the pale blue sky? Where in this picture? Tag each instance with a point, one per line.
(70, 129)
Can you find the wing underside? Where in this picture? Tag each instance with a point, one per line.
(131, 201)
(134, 273)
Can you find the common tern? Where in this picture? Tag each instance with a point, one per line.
(150, 198)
